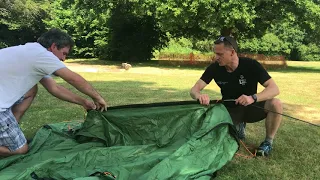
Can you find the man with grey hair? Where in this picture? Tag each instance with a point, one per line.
(22, 67)
(238, 78)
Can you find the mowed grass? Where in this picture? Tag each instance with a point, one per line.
(296, 153)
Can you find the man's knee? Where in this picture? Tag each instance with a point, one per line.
(23, 150)
(274, 104)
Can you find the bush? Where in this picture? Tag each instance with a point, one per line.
(309, 52)
(178, 45)
(269, 44)
(204, 46)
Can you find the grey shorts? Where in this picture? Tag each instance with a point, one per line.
(11, 135)
(249, 114)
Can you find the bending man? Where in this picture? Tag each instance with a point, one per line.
(22, 67)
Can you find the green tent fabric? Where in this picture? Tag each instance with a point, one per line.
(155, 141)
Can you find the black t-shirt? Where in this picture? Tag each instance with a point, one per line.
(243, 80)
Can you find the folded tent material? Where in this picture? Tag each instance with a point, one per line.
(175, 140)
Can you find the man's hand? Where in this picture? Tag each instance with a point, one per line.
(204, 99)
(100, 104)
(88, 104)
(245, 100)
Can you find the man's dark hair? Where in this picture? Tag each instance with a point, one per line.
(228, 41)
(54, 35)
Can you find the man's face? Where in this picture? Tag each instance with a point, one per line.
(60, 53)
(223, 55)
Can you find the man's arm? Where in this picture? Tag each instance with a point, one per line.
(64, 94)
(195, 92)
(270, 91)
(82, 85)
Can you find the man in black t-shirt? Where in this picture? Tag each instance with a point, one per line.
(238, 79)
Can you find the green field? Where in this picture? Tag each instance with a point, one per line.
(296, 152)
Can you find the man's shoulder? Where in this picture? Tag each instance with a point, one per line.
(35, 47)
(39, 52)
(30, 49)
(26, 53)
(214, 65)
(246, 59)
(12, 49)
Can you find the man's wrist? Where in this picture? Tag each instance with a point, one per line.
(195, 96)
(198, 96)
(254, 97)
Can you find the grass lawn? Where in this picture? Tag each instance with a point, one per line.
(296, 153)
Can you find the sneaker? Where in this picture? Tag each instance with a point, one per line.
(241, 131)
(264, 149)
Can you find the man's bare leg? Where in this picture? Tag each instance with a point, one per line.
(19, 109)
(272, 123)
(273, 120)
(4, 151)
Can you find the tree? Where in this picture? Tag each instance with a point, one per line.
(198, 20)
(21, 21)
(88, 27)
(293, 34)
(132, 37)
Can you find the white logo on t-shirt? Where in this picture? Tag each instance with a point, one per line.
(242, 81)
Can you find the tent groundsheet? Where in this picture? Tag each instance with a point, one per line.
(154, 141)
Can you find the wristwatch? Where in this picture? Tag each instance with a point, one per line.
(254, 97)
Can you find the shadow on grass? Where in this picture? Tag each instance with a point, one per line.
(294, 69)
(152, 63)
(93, 62)
(138, 92)
(155, 63)
(302, 112)
(113, 63)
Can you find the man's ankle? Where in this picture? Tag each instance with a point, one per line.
(270, 140)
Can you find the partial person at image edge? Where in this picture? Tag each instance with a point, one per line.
(22, 68)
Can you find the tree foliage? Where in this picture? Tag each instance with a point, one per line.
(261, 26)
(133, 36)
(87, 27)
(21, 21)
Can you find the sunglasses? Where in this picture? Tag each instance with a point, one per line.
(223, 39)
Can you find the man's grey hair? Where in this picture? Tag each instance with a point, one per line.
(55, 35)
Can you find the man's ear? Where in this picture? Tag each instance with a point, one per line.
(51, 48)
(233, 52)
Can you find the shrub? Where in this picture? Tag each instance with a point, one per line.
(309, 52)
